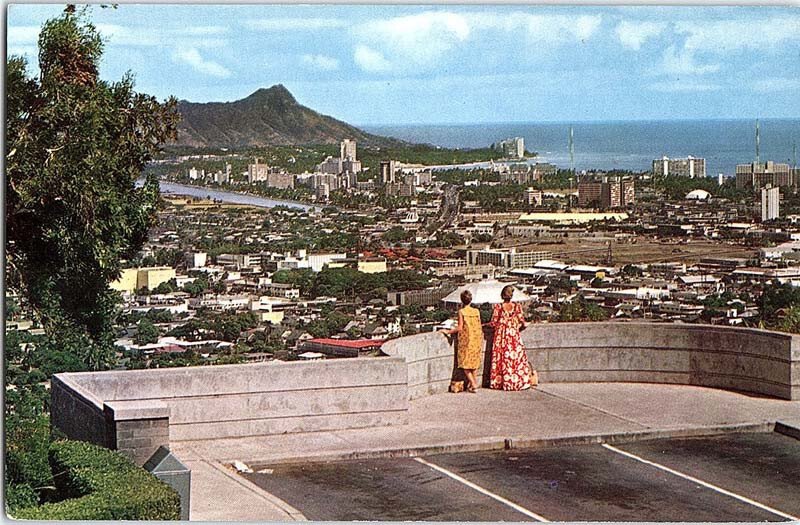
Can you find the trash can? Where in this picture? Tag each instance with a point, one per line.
(167, 467)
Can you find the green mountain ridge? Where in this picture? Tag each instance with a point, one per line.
(268, 117)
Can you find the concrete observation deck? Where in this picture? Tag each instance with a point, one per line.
(600, 382)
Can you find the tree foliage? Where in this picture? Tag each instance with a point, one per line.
(790, 321)
(75, 146)
(775, 298)
(579, 309)
(146, 333)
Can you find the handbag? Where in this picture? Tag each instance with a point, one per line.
(534, 378)
(456, 386)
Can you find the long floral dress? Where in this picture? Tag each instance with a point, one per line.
(510, 367)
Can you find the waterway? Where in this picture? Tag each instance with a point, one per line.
(229, 196)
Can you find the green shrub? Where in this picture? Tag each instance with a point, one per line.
(101, 484)
(19, 495)
(27, 442)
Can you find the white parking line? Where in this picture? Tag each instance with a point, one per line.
(482, 490)
(703, 483)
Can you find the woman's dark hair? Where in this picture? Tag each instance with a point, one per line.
(507, 293)
(466, 297)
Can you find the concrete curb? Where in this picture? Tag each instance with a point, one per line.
(498, 443)
(643, 435)
(292, 512)
(482, 445)
(791, 429)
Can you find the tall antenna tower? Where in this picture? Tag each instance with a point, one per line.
(571, 151)
(758, 142)
(794, 155)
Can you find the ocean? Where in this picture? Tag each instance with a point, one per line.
(626, 145)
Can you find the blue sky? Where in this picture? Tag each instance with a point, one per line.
(383, 64)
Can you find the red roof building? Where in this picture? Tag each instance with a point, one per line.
(342, 347)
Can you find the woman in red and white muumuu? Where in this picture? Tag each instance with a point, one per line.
(510, 368)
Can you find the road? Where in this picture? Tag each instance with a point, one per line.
(449, 210)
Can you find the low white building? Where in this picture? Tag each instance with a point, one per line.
(220, 302)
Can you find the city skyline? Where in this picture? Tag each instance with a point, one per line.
(447, 64)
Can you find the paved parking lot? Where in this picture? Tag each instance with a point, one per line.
(736, 477)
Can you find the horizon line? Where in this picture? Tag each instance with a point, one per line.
(577, 121)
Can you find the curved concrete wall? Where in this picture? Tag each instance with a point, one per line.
(750, 360)
(137, 411)
(430, 359)
(744, 359)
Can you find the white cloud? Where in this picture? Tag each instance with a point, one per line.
(723, 36)
(115, 34)
(320, 62)
(188, 37)
(633, 34)
(549, 29)
(675, 62)
(294, 24)
(21, 35)
(192, 57)
(420, 41)
(587, 25)
(200, 30)
(409, 42)
(371, 60)
(684, 86)
(775, 84)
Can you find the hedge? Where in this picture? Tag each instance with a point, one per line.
(101, 484)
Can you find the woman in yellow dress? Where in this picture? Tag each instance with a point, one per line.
(470, 339)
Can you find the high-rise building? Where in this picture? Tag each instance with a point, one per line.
(524, 173)
(628, 191)
(330, 165)
(388, 168)
(689, 167)
(351, 166)
(325, 179)
(257, 172)
(222, 177)
(323, 192)
(533, 197)
(590, 194)
(347, 150)
(770, 203)
(514, 147)
(758, 175)
(614, 193)
(401, 189)
(280, 180)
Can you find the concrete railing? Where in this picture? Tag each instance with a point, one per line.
(430, 359)
(749, 360)
(137, 411)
